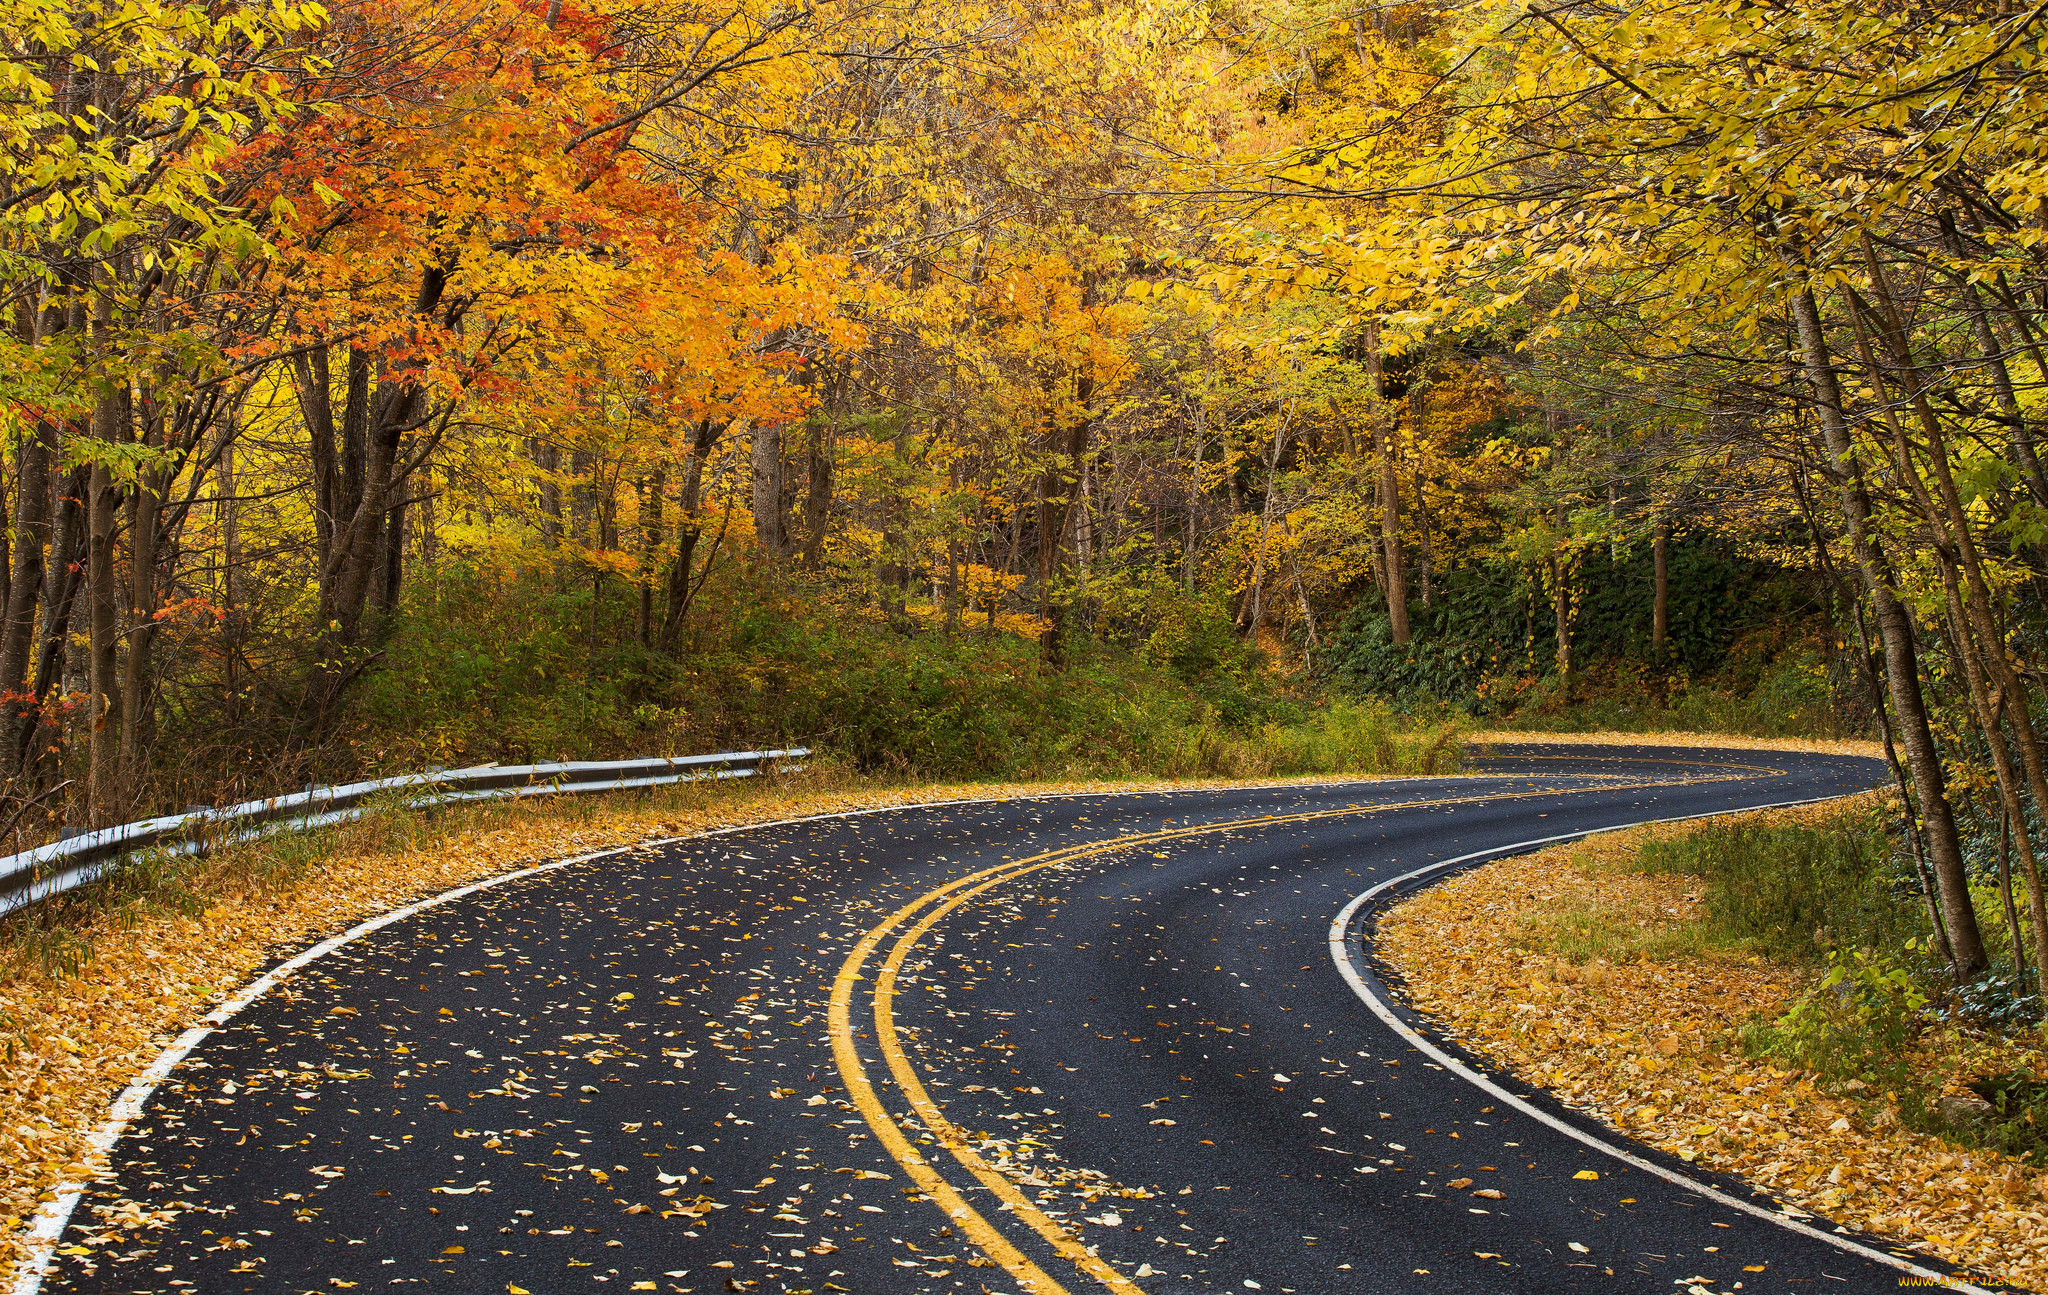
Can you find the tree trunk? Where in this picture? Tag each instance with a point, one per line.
(2012, 916)
(1660, 604)
(105, 799)
(145, 511)
(392, 583)
(1418, 414)
(653, 490)
(1255, 596)
(547, 459)
(40, 737)
(1194, 502)
(771, 528)
(817, 495)
(688, 531)
(1895, 629)
(1995, 687)
(1057, 486)
(25, 583)
(1564, 612)
(230, 520)
(1383, 422)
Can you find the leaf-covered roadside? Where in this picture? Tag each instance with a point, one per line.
(1651, 1046)
(154, 971)
(1486, 738)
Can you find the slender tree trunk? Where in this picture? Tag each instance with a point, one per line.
(145, 512)
(582, 497)
(1866, 665)
(388, 578)
(1255, 597)
(1564, 615)
(1194, 499)
(311, 381)
(818, 485)
(1895, 628)
(653, 490)
(1428, 567)
(688, 530)
(40, 737)
(547, 458)
(2012, 916)
(2006, 778)
(1057, 488)
(1995, 686)
(103, 631)
(954, 558)
(231, 560)
(1660, 604)
(1383, 423)
(25, 583)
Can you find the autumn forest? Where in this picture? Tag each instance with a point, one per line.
(976, 389)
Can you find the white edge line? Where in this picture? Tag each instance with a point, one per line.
(1340, 951)
(50, 1222)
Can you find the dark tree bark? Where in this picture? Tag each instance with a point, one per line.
(771, 526)
(145, 508)
(1660, 603)
(653, 490)
(25, 582)
(105, 799)
(689, 530)
(818, 489)
(1383, 430)
(1056, 488)
(1895, 630)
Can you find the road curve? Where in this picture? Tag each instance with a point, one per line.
(1029, 1046)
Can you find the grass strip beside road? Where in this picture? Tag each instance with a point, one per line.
(1606, 984)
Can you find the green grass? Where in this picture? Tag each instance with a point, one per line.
(1791, 696)
(1580, 932)
(1790, 890)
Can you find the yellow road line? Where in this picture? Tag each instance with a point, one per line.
(945, 900)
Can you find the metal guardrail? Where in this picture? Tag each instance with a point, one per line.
(35, 875)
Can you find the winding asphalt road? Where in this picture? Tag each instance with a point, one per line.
(1027, 1046)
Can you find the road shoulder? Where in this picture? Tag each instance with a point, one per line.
(1650, 1047)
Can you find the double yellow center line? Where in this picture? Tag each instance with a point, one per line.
(908, 925)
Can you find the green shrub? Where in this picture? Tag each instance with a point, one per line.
(489, 665)
(1855, 1022)
(1789, 890)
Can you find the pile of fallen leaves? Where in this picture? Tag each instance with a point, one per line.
(1651, 1048)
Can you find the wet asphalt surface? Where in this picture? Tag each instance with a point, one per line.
(617, 1075)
